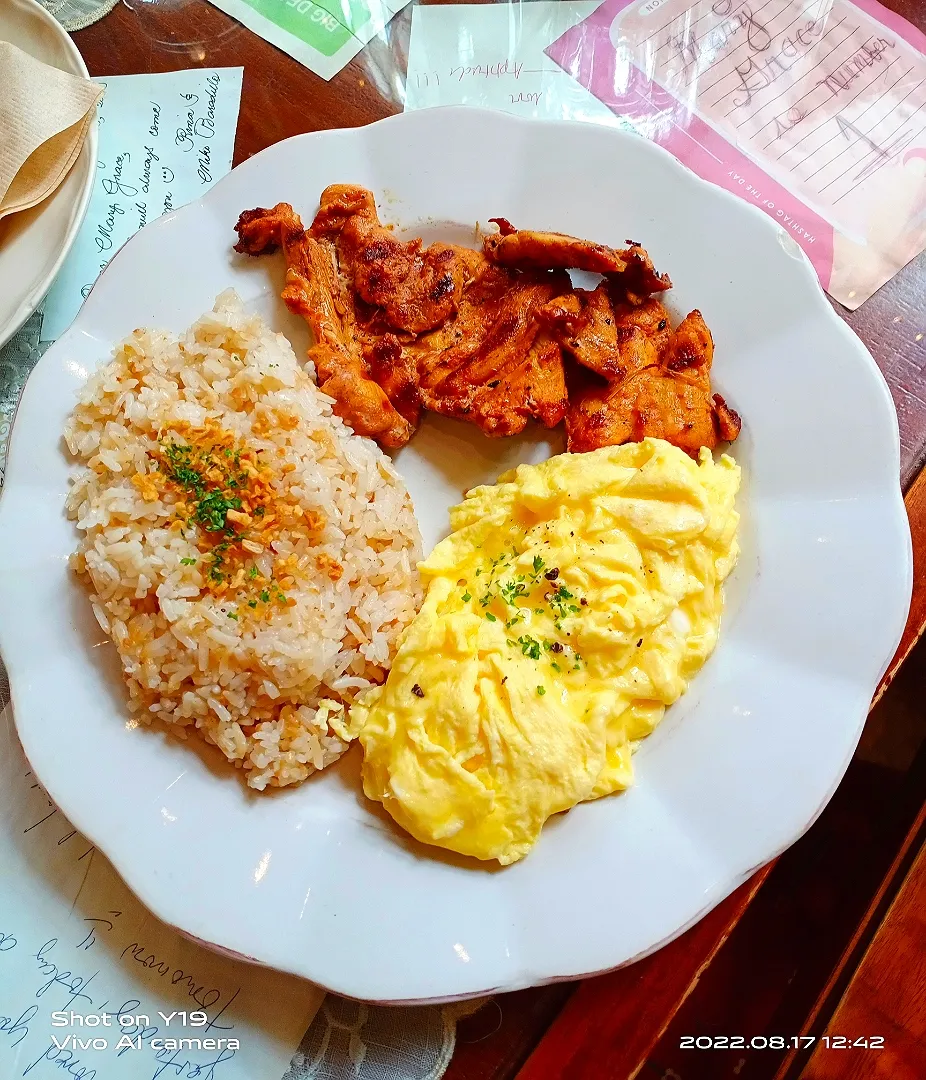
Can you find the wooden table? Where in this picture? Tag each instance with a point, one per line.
(775, 961)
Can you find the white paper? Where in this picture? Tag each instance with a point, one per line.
(73, 938)
(491, 55)
(164, 140)
(323, 35)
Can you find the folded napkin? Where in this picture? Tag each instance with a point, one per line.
(45, 115)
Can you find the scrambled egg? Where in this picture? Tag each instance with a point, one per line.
(572, 603)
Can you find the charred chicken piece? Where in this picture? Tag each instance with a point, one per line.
(526, 249)
(648, 404)
(473, 349)
(613, 340)
(494, 364)
(481, 335)
(314, 291)
(668, 400)
(728, 421)
(416, 287)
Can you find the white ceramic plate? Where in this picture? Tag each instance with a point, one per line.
(315, 880)
(34, 243)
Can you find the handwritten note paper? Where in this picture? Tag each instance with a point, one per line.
(74, 940)
(492, 55)
(164, 141)
(814, 110)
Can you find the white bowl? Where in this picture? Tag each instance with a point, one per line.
(34, 243)
(316, 880)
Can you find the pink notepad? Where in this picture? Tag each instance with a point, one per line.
(813, 111)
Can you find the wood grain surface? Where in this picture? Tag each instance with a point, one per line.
(915, 500)
(608, 1027)
(886, 997)
(610, 1024)
(886, 984)
(768, 977)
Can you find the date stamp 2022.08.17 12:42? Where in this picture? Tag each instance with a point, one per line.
(781, 1042)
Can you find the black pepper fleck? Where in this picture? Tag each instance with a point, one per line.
(556, 646)
(583, 602)
(552, 575)
(639, 643)
(417, 691)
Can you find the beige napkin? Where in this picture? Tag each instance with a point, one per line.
(45, 115)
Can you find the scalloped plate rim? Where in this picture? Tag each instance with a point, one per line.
(81, 813)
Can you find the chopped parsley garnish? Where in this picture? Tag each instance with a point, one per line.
(529, 646)
(516, 591)
(467, 596)
(265, 596)
(232, 615)
(186, 477)
(541, 691)
(510, 591)
(559, 604)
(212, 508)
(252, 603)
(491, 617)
(212, 483)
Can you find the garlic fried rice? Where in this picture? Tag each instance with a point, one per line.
(253, 561)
